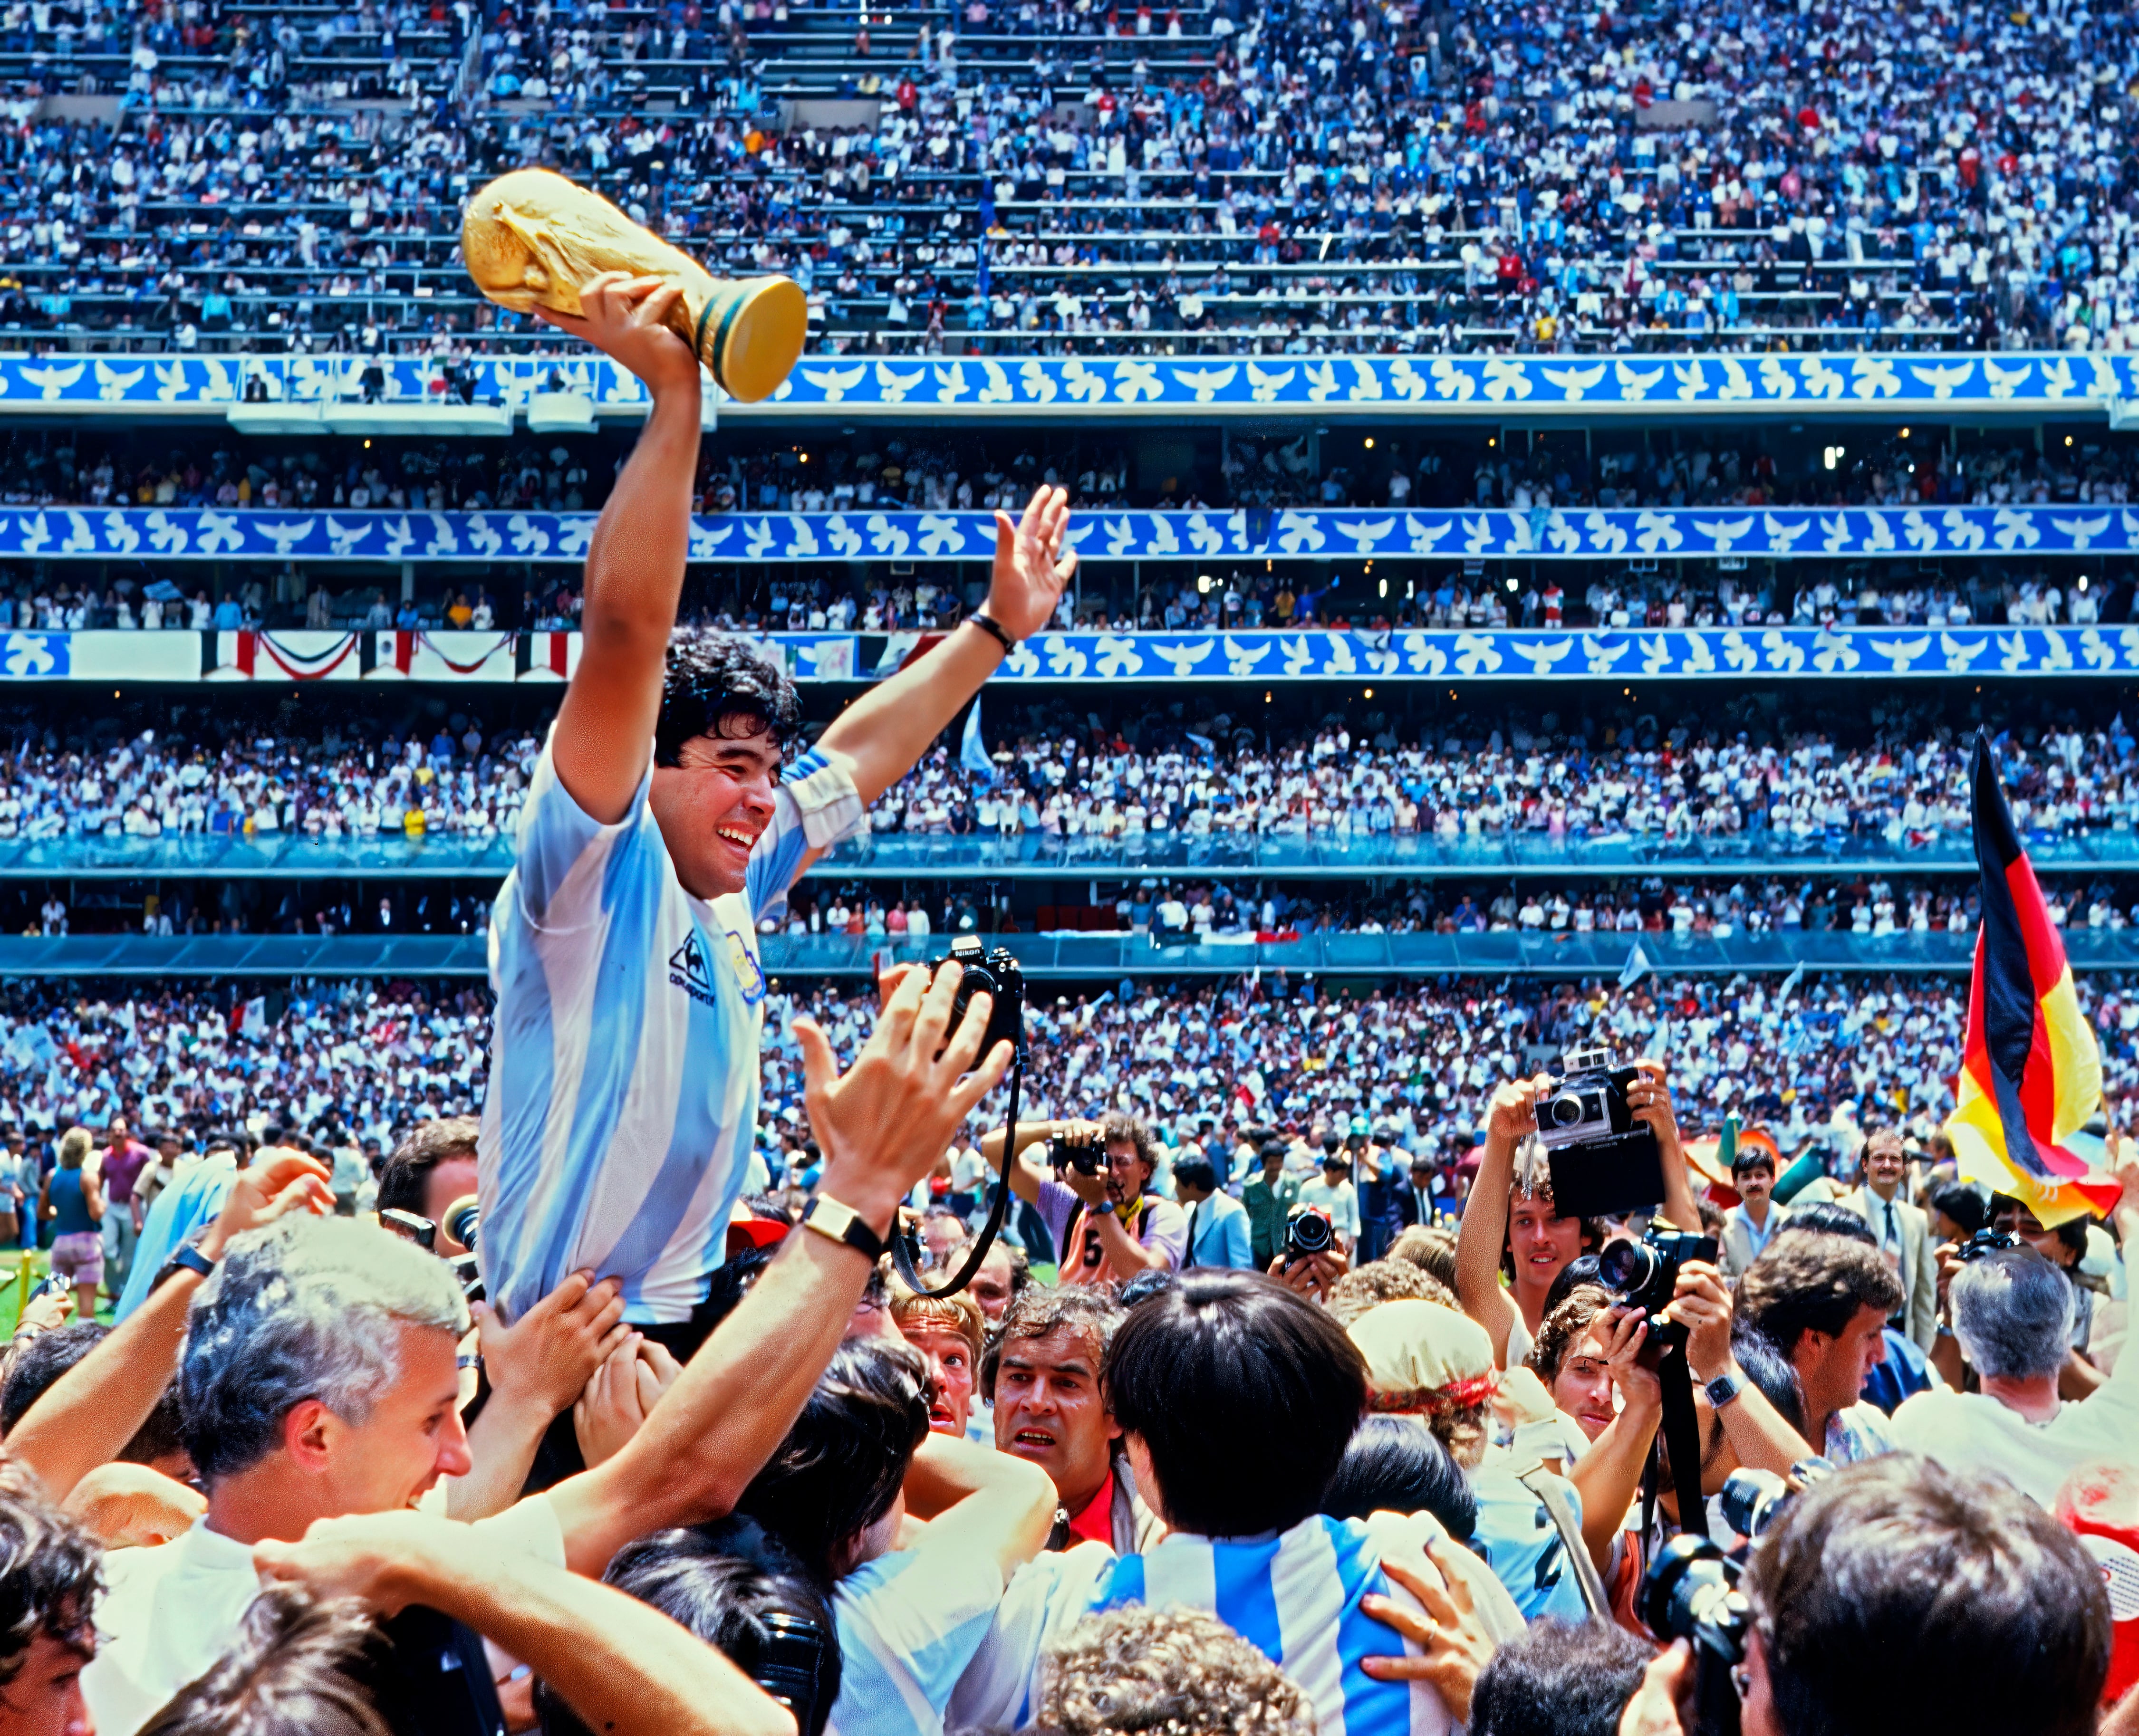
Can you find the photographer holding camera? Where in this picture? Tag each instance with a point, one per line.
(1511, 1226)
(1097, 1203)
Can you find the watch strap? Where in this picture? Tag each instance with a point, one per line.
(841, 1223)
(994, 629)
(193, 1259)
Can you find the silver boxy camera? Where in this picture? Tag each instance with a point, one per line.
(1580, 1110)
(1602, 1161)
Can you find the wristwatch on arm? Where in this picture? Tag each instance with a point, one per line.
(839, 1222)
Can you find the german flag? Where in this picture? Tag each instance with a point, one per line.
(2030, 1073)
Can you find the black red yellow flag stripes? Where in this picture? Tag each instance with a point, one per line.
(2030, 1072)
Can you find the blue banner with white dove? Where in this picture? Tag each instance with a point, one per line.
(986, 385)
(161, 534)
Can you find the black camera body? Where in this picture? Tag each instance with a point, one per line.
(1690, 1592)
(1602, 1161)
(1645, 1274)
(1308, 1231)
(997, 973)
(1087, 1157)
(1753, 1500)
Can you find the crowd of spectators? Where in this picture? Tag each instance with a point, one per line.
(1111, 790)
(1830, 1054)
(831, 1502)
(1291, 179)
(1554, 785)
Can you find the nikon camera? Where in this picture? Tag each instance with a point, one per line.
(997, 973)
(1604, 1161)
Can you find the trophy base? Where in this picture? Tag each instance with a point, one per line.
(751, 341)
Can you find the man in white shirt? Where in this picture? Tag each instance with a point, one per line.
(2011, 1313)
(1331, 1191)
(1748, 1225)
(1824, 1300)
(320, 1378)
(1903, 1232)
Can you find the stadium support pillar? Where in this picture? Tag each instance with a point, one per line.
(407, 581)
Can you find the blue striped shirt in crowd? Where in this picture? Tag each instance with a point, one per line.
(1295, 1596)
(624, 1075)
(906, 1637)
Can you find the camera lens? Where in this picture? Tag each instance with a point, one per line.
(1626, 1266)
(1566, 1111)
(1751, 1499)
(1310, 1233)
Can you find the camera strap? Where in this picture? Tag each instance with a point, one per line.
(1682, 1433)
(906, 1244)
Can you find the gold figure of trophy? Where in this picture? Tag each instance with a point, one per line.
(532, 238)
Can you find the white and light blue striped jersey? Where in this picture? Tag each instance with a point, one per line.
(1523, 1546)
(906, 1637)
(1295, 1597)
(624, 1074)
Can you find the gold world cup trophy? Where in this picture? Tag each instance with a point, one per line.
(534, 239)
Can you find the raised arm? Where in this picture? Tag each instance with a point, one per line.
(1649, 1098)
(625, 1667)
(1484, 1230)
(882, 734)
(881, 1127)
(635, 573)
(1026, 1176)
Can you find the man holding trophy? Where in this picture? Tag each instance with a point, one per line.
(669, 810)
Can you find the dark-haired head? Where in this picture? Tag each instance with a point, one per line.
(739, 1589)
(1225, 1357)
(714, 685)
(837, 1475)
(1396, 1464)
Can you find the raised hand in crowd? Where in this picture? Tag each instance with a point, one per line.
(1454, 1644)
(536, 1366)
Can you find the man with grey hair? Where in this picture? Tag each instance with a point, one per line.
(320, 1378)
(2011, 1313)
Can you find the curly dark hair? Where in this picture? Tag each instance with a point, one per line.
(1564, 1328)
(716, 685)
(51, 1571)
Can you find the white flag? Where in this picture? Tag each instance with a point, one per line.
(1638, 966)
(254, 1023)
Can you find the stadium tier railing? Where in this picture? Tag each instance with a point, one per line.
(1092, 957)
(1813, 382)
(1202, 654)
(1036, 856)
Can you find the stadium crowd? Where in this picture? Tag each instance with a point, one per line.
(909, 471)
(832, 1503)
(1294, 179)
(362, 1065)
(1101, 789)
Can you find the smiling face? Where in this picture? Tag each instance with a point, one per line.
(712, 806)
(412, 1437)
(1542, 1243)
(1048, 1409)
